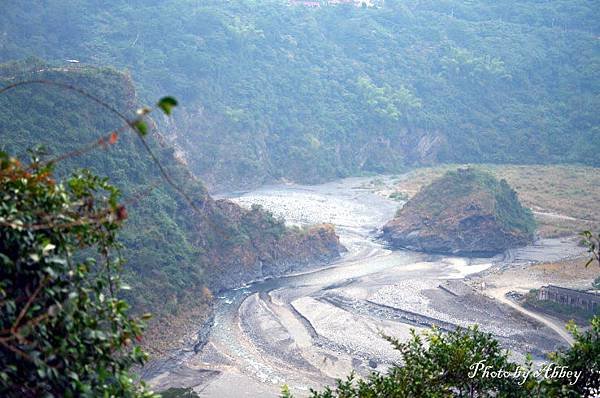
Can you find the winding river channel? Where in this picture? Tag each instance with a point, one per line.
(307, 329)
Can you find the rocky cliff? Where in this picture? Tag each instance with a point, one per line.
(248, 245)
(175, 255)
(465, 212)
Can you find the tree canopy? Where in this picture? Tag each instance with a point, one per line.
(64, 330)
(273, 90)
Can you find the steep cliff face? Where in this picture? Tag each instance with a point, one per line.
(464, 212)
(246, 245)
(172, 251)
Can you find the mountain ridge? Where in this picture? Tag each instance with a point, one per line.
(273, 92)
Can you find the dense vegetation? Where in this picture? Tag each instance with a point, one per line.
(465, 211)
(158, 239)
(175, 254)
(455, 185)
(273, 90)
(439, 365)
(64, 332)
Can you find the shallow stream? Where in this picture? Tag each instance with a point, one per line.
(305, 330)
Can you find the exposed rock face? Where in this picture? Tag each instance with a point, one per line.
(262, 246)
(465, 212)
(174, 252)
(235, 160)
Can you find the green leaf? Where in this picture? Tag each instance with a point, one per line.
(4, 160)
(47, 248)
(41, 372)
(167, 104)
(51, 272)
(5, 259)
(141, 127)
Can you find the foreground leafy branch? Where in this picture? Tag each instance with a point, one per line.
(137, 124)
(592, 242)
(63, 329)
(454, 364)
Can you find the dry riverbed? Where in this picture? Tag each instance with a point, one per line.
(306, 330)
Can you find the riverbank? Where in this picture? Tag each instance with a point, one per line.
(509, 284)
(307, 329)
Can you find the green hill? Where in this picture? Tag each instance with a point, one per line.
(463, 212)
(173, 253)
(278, 91)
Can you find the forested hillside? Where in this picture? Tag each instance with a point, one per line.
(466, 211)
(173, 252)
(279, 91)
(158, 230)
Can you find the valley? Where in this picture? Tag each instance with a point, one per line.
(307, 329)
(293, 199)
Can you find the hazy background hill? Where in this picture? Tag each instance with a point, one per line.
(276, 91)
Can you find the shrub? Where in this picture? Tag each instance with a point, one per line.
(444, 365)
(64, 332)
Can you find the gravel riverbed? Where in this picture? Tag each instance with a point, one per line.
(305, 330)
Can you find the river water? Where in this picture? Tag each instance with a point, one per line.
(307, 329)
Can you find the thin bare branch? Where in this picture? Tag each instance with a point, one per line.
(103, 141)
(37, 291)
(66, 87)
(130, 123)
(16, 350)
